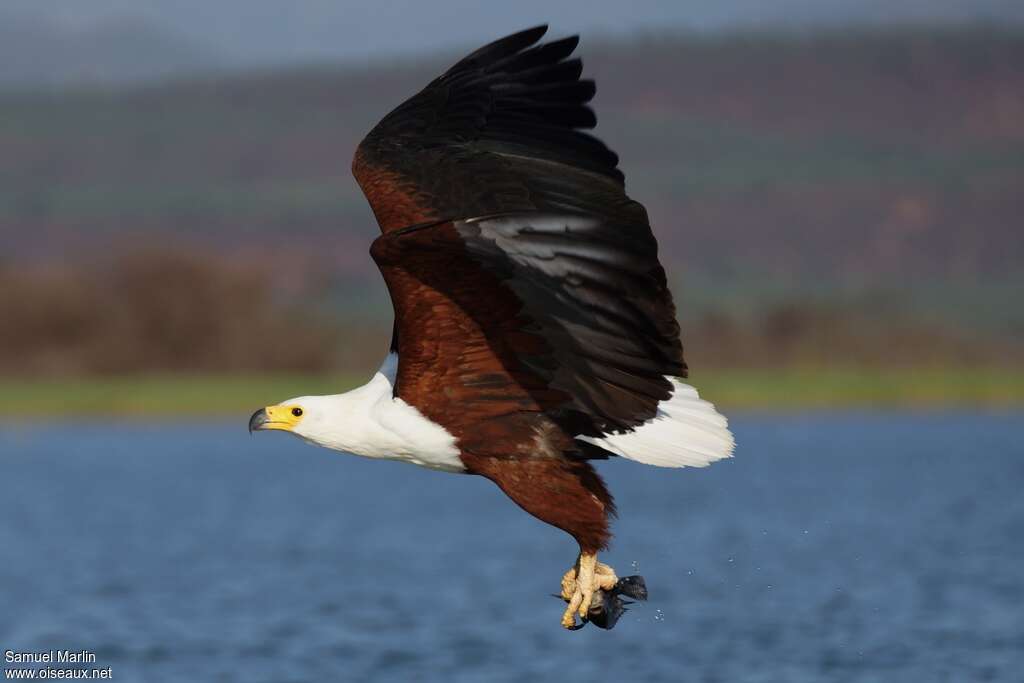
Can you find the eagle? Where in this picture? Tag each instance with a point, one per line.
(534, 330)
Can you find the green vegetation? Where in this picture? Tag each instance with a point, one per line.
(156, 396)
(205, 396)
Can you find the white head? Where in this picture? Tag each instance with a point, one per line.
(317, 419)
(366, 421)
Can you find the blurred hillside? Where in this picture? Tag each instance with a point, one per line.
(39, 52)
(257, 33)
(842, 197)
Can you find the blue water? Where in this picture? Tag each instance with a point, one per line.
(836, 547)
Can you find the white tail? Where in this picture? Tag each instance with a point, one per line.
(686, 432)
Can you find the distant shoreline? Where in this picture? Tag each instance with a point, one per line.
(782, 389)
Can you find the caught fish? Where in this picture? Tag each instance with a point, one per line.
(606, 607)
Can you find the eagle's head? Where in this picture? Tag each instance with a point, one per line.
(308, 417)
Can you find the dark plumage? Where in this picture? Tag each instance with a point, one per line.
(531, 311)
(494, 144)
(530, 305)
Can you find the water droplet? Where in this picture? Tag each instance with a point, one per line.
(659, 615)
(805, 531)
(769, 586)
(689, 572)
(731, 560)
(635, 565)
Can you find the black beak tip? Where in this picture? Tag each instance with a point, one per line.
(258, 419)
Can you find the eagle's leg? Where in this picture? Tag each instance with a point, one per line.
(579, 584)
(566, 493)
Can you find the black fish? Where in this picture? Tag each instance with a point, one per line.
(607, 606)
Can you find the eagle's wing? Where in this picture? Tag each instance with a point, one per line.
(499, 131)
(525, 282)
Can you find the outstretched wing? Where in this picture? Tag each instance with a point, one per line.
(567, 315)
(499, 131)
(525, 282)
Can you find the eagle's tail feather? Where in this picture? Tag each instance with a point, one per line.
(686, 432)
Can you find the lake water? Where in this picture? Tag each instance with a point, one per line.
(833, 547)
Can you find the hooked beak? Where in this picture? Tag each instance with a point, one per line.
(258, 419)
(280, 417)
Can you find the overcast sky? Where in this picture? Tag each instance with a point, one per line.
(247, 32)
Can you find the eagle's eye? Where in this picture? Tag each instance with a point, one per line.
(297, 412)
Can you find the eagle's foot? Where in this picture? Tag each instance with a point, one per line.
(580, 584)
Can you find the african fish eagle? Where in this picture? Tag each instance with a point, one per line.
(534, 329)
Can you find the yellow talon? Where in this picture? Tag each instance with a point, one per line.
(580, 583)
